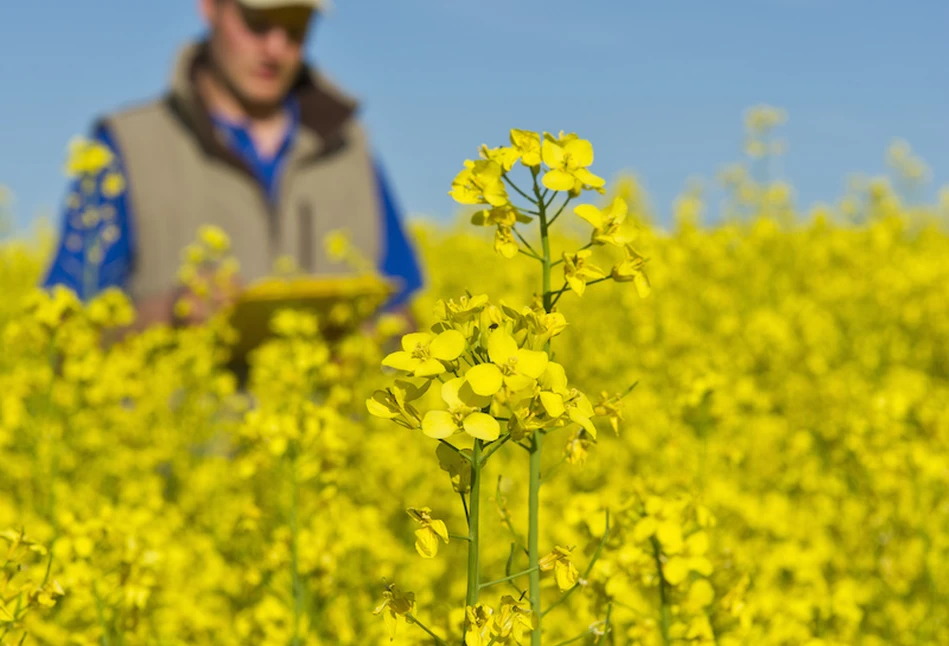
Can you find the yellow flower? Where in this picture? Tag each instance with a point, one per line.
(478, 625)
(112, 185)
(214, 238)
(463, 414)
(456, 465)
(480, 183)
(393, 403)
(422, 353)
(559, 400)
(568, 158)
(504, 242)
(565, 573)
(606, 223)
(511, 366)
(505, 157)
(576, 270)
(394, 607)
(426, 538)
(527, 144)
(506, 215)
(514, 621)
(632, 268)
(87, 158)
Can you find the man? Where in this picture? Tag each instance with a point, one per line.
(251, 139)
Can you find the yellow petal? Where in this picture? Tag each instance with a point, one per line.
(675, 570)
(426, 542)
(554, 378)
(440, 529)
(701, 594)
(645, 528)
(413, 339)
(552, 153)
(642, 284)
(669, 534)
(438, 424)
(485, 379)
(429, 368)
(582, 420)
(566, 574)
(401, 361)
(392, 623)
(377, 407)
(518, 382)
(450, 393)
(553, 403)
(531, 362)
(501, 347)
(580, 151)
(470, 398)
(589, 178)
(701, 565)
(448, 345)
(558, 180)
(591, 214)
(577, 284)
(482, 426)
(697, 543)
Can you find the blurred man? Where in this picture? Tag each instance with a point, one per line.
(248, 138)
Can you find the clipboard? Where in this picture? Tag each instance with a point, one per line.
(341, 304)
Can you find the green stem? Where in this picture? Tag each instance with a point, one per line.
(100, 614)
(663, 594)
(459, 537)
(537, 445)
(505, 579)
(574, 639)
(474, 526)
(494, 447)
(294, 555)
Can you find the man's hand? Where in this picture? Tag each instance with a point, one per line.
(197, 306)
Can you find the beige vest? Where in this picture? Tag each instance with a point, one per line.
(181, 175)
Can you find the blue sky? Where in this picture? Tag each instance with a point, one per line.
(659, 87)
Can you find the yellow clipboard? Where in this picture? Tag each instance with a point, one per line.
(341, 304)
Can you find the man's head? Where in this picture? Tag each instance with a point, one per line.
(257, 46)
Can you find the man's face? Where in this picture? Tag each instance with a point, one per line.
(258, 52)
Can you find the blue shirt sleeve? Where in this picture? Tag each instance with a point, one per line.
(399, 260)
(95, 242)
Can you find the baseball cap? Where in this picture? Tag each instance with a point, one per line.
(278, 4)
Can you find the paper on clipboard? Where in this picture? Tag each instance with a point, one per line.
(341, 303)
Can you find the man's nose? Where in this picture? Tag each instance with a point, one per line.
(277, 41)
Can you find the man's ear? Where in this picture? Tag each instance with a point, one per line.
(208, 10)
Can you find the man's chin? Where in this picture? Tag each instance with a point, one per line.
(262, 102)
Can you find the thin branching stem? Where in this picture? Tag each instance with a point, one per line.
(456, 450)
(506, 579)
(526, 243)
(438, 640)
(516, 188)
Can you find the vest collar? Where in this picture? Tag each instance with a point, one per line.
(324, 109)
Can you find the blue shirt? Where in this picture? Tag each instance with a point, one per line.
(397, 261)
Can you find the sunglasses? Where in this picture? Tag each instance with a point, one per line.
(295, 21)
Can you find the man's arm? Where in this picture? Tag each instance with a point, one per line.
(399, 259)
(95, 242)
